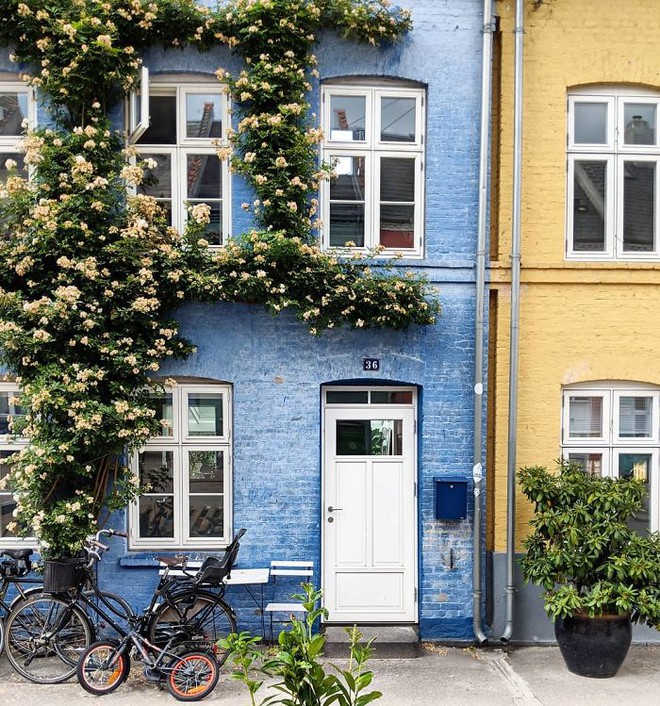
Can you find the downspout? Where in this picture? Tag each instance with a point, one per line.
(515, 323)
(480, 281)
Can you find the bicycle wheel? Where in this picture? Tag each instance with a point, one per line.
(102, 668)
(193, 676)
(200, 616)
(44, 637)
(120, 612)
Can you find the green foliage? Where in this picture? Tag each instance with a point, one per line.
(296, 662)
(582, 551)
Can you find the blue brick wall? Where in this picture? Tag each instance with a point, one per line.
(277, 369)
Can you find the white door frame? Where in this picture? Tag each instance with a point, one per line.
(407, 410)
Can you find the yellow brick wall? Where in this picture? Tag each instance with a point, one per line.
(579, 321)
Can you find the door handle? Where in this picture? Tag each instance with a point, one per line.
(334, 509)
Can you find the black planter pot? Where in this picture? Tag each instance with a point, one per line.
(594, 647)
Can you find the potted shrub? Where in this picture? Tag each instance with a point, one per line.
(598, 574)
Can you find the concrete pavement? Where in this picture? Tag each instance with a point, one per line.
(523, 676)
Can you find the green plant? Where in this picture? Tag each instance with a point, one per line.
(581, 550)
(303, 680)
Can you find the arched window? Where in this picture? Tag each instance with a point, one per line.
(613, 429)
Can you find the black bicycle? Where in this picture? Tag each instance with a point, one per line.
(15, 565)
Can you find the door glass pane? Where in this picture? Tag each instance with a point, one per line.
(156, 470)
(585, 417)
(391, 397)
(206, 516)
(638, 206)
(591, 123)
(13, 110)
(369, 437)
(634, 465)
(7, 503)
(162, 405)
(347, 118)
(346, 225)
(203, 115)
(639, 120)
(162, 130)
(589, 205)
(203, 175)
(205, 414)
(590, 463)
(157, 182)
(8, 409)
(156, 516)
(346, 397)
(635, 417)
(206, 471)
(397, 119)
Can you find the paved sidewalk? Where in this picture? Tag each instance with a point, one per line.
(525, 676)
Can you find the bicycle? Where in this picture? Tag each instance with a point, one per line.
(15, 565)
(189, 674)
(46, 633)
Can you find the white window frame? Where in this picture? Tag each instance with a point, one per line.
(614, 153)
(373, 148)
(12, 444)
(9, 144)
(612, 445)
(139, 120)
(180, 443)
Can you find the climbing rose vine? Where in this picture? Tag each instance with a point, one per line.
(89, 276)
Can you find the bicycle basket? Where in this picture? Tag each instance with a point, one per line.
(63, 574)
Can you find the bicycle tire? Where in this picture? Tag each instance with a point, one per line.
(193, 676)
(2, 635)
(102, 668)
(103, 630)
(44, 638)
(200, 616)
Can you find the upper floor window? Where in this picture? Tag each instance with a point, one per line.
(9, 409)
(613, 174)
(614, 430)
(16, 110)
(178, 127)
(374, 137)
(185, 472)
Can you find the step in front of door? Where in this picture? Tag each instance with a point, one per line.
(390, 641)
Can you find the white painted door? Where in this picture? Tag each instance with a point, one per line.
(369, 514)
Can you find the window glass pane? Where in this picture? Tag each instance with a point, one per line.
(156, 516)
(157, 182)
(635, 417)
(347, 397)
(13, 110)
(205, 414)
(7, 503)
(213, 231)
(590, 463)
(203, 115)
(203, 176)
(18, 158)
(346, 224)
(397, 226)
(397, 179)
(397, 119)
(639, 120)
(8, 408)
(162, 130)
(634, 465)
(391, 397)
(206, 516)
(638, 206)
(162, 405)
(591, 123)
(347, 118)
(369, 437)
(585, 417)
(156, 470)
(206, 471)
(348, 185)
(589, 205)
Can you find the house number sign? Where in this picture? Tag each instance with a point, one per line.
(371, 364)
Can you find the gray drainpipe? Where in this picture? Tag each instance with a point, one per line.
(515, 324)
(480, 279)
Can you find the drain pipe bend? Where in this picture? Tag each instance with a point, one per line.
(515, 323)
(480, 281)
